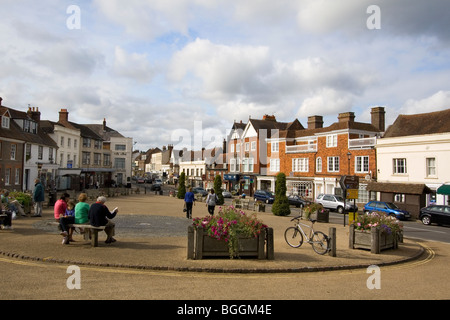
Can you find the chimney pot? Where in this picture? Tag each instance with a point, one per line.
(315, 122)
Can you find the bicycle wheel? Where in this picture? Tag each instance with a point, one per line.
(320, 242)
(293, 237)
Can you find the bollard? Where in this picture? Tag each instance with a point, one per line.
(332, 241)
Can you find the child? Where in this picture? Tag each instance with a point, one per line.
(69, 217)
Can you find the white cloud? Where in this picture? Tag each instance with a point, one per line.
(134, 66)
(326, 101)
(438, 101)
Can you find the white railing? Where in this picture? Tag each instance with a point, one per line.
(301, 148)
(362, 143)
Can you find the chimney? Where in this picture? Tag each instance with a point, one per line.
(64, 116)
(346, 117)
(269, 118)
(315, 122)
(1, 99)
(34, 114)
(378, 118)
(104, 124)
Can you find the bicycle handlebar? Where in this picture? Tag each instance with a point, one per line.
(301, 216)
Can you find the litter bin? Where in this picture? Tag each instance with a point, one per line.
(51, 198)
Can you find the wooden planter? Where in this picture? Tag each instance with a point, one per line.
(375, 240)
(321, 216)
(201, 245)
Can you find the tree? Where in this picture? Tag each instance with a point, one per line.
(218, 189)
(280, 206)
(181, 186)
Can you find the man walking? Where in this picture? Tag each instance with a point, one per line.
(38, 198)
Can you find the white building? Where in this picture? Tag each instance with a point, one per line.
(412, 160)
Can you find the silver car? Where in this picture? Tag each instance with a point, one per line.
(334, 202)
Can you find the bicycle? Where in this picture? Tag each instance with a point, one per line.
(317, 239)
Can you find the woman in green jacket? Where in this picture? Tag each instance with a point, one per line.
(82, 209)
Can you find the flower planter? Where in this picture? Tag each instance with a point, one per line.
(201, 245)
(321, 216)
(374, 240)
(259, 207)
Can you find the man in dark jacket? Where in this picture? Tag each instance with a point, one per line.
(38, 198)
(99, 215)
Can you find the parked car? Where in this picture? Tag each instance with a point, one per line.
(200, 190)
(264, 196)
(439, 214)
(335, 202)
(226, 194)
(388, 208)
(298, 201)
(158, 181)
(155, 187)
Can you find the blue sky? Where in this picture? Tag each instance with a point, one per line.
(154, 67)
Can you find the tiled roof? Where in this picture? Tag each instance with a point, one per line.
(420, 124)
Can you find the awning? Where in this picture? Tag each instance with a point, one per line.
(69, 172)
(444, 189)
(405, 188)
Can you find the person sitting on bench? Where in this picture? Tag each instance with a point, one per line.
(99, 215)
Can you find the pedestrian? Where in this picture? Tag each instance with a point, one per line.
(60, 215)
(189, 201)
(211, 201)
(38, 198)
(12, 204)
(99, 215)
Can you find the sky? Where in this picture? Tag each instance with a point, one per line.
(182, 71)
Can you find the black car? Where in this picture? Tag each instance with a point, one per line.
(200, 190)
(439, 214)
(298, 201)
(264, 196)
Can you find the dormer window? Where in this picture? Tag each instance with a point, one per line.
(5, 122)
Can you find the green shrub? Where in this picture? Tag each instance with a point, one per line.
(280, 206)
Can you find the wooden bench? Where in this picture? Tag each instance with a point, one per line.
(91, 235)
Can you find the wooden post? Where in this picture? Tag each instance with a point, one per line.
(375, 248)
(269, 244)
(332, 244)
(351, 236)
(190, 244)
(198, 251)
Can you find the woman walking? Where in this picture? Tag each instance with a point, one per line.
(211, 201)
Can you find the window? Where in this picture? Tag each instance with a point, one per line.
(62, 142)
(13, 151)
(119, 163)
(300, 165)
(86, 143)
(97, 144)
(333, 164)
(319, 164)
(75, 143)
(86, 158)
(362, 164)
(106, 159)
(247, 164)
(17, 178)
(40, 152)
(69, 142)
(275, 146)
(5, 122)
(7, 176)
(399, 197)
(238, 147)
(247, 146)
(232, 147)
(253, 146)
(332, 140)
(97, 159)
(431, 167)
(121, 147)
(234, 165)
(50, 154)
(274, 165)
(27, 151)
(399, 166)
